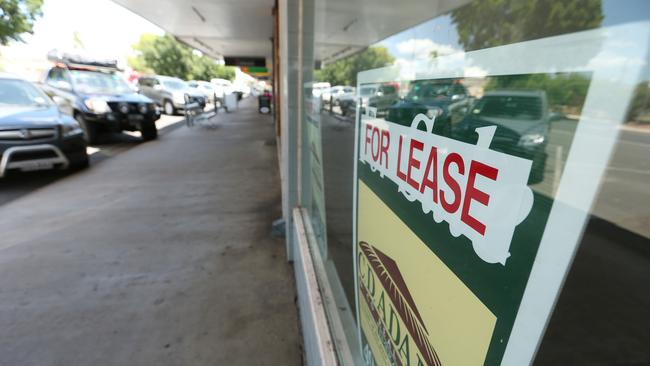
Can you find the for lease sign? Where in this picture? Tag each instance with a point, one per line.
(462, 238)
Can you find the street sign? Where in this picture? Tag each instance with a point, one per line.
(464, 229)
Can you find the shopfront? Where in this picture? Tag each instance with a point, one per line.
(481, 196)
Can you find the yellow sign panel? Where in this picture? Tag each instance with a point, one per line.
(413, 309)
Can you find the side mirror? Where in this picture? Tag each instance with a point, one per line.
(62, 85)
(157, 87)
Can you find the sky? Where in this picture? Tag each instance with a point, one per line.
(106, 29)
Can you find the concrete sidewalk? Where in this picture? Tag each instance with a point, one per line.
(158, 256)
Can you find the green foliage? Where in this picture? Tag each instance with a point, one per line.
(164, 55)
(639, 109)
(17, 17)
(491, 23)
(344, 71)
(562, 90)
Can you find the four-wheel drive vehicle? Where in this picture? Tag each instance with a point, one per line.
(523, 124)
(34, 134)
(169, 92)
(446, 100)
(99, 99)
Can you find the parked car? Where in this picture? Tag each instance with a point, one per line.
(523, 124)
(95, 94)
(446, 100)
(34, 133)
(222, 87)
(208, 89)
(379, 96)
(318, 88)
(169, 92)
(333, 95)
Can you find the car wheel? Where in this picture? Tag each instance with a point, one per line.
(90, 129)
(149, 131)
(168, 107)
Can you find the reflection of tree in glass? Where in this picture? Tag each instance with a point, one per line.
(639, 110)
(564, 91)
(344, 71)
(491, 23)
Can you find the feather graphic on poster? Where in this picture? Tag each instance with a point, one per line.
(391, 279)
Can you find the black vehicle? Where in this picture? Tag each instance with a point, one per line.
(99, 99)
(446, 100)
(34, 134)
(523, 124)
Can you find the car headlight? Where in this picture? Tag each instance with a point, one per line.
(97, 106)
(71, 129)
(143, 108)
(532, 139)
(434, 112)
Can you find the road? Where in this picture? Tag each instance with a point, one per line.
(17, 184)
(624, 198)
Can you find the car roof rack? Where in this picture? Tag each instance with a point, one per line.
(80, 62)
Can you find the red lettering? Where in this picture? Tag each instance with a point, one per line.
(400, 174)
(452, 207)
(472, 193)
(375, 147)
(413, 162)
(368, 128)
(385, 143)
(432, 165)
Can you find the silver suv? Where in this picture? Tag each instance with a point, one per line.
(169, 92)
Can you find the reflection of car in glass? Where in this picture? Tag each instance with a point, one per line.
(379, 96)
(447, 100)
(34, 134)
(523, 124)
(335, 94)
(99, 99)
(208, 89)
(169, 92)
(318, 88)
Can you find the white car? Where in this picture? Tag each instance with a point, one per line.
(222, 87)
(334, 94)
(208, 89)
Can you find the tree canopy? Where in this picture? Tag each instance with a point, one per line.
(164, 55)
(344, 71)
(17, 17)
(490, 23)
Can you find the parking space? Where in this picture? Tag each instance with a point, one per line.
(17, 184)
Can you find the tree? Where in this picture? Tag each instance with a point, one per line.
(490, 23)
(344, 71)
(17, 17)
(164, 55)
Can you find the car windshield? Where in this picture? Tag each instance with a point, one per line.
(94, 82)
(510, 107)
(429, 90)
(368, 91)
(175, 84)
(21, 93)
